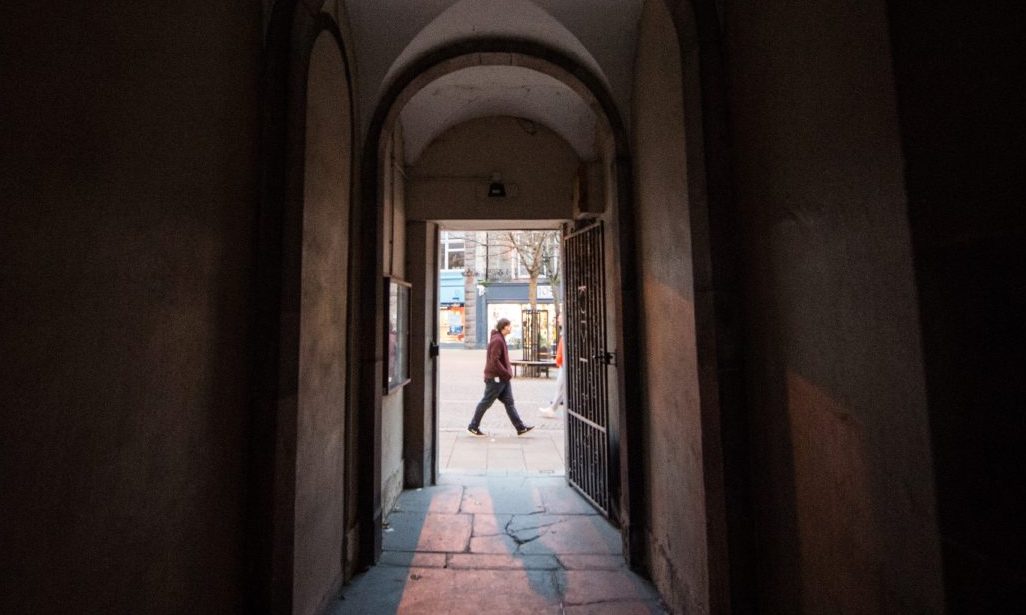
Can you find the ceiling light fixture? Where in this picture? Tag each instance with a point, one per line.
(496, 188)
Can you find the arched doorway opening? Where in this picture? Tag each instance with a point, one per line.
(599, 189)
(487, 275)
(302, 462)
(607, 185)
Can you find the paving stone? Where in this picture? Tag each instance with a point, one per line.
(456, 592)
(563, 500)
(512, 482)
(502, 497)
(416, 531)
(532, 562)
(490, 525)
(485, 561)
(464, 458)
(379, 590)
(508, 460)
(568, 534)
(542, 462)
(516, 453)
(438, 499)
(412, 558)
(555, 481)
(507, 444)
(617, 608)
(465, 480)
(501, 543)
(592, 562)
(598, 586)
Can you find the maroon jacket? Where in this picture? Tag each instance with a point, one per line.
(497, 363)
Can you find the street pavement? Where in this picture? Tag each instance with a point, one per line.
(540, 452)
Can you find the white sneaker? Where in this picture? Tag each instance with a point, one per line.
(546, 411)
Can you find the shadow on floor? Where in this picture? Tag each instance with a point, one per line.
(498, 545)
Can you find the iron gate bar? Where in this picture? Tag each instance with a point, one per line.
(584, 420)
(587, 394)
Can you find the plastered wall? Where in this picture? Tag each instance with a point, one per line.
(394, 203)
(129, 172)
(672, 451)
(842, 479)
(450, 180)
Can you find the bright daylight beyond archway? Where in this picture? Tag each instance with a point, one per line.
(485, 276)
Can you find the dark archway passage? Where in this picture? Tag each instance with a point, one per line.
(858, 219)
(454, 58)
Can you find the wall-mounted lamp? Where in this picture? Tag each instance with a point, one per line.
(497, 188)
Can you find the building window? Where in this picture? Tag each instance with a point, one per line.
(453, 250)
(519, 271)
(550, 263)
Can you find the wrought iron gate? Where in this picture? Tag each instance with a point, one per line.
(587, 426)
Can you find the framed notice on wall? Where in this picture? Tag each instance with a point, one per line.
(397, 333)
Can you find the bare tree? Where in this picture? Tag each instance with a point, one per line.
(537, 251)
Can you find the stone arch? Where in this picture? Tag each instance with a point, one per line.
(671, 209)
(369, 292)
(298, 501)
(715, 232)
(697, 30)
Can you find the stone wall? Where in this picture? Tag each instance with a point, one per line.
(842, 479)
(961, 117)
(130, 175)
(671, 454)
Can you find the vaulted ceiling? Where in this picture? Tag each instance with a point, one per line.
(390, 35)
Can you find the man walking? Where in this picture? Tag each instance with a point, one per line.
(497, 375)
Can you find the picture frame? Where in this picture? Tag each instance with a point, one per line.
(397, 333)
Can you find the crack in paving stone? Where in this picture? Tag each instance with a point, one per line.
(542, 525)
(498, 532)
(523, 541)
(463, 494)
(617, 601)
(539, 526)
(517, 539)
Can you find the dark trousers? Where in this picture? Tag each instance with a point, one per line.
(502, 391)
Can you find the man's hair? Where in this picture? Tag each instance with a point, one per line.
(499, 326)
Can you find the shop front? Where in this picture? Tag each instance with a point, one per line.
(510, 300)
(451, 308)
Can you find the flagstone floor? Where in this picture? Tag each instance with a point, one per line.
(498, 545)
(502, 532)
